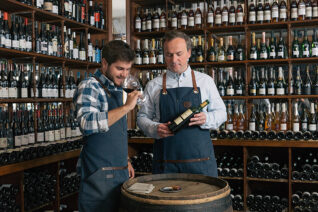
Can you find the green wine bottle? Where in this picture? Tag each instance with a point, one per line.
(185, 117)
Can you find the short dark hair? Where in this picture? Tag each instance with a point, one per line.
(117, 50)
(172, 34)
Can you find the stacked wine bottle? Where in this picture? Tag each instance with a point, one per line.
(69, 182)
(266, 168)
(305, 166)
(237, 196)
(135, 133)
(43, 192)
(8, 194)
(265, 203)
(142, 162)
(303, 201)
(229, 165)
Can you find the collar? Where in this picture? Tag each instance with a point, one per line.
(177, 76)
(107, 82)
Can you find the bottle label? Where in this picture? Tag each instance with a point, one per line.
(17, 141)
(24, 93)
(296, 53)
(61, 93)
(314, 52)
(225, 16)
(312, 127)
(75, 54)
(306, 53)
(239, 92)
(73, 133)
(57, 135)
(263, 55)
(156, 23)
(272, 54)
(296, 127)
(97, 17)
(230, 57)
(5, 93)
(62, 133)
(232, 18)
(301, 9)
(230, 92)
(71, 45)
(271, 91)
(25, 140)
(78, 131)
(92, 21)
(210, 18)
(262, 91)
(308, 12)
(148, 25)
(315, 12)
(66, 6)
(274, 12)
(55, 9)
(28, 45)
(221, 57)
(198, 19)
(8, 43)
(90, 50)
(31, 138)
(239, 17)
(143, 26)
(267, 16)
(184, 20)
(22, 44)
(51, 135)
(15, 44)
(56, 93)
(283, 13)
(251, 126)
(1, 92)
(3, 142)
(251, 16)
(47, 136)
(229, 126)
(283, 126)
(160, 58)
(304, 126)
(294, 13)
(145, 60)
(218, 19)
(186, 114)
(152, 60)
(48, 6)
(162, 23)
(253, 55)
(13, 93)
(174, 22)
(2, 40)
(253, 91)
(280, 91)
(82, 55)
(50, 49)
(138, 60)
(40, 137)
(68, 132)
(44, 46)
(260, 15)
(191, 21)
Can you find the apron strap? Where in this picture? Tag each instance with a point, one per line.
(164, 83)
(105, 88)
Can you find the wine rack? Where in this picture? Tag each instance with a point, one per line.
(284, 146)
(48, 166)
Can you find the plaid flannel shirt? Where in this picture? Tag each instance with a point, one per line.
(91, 104)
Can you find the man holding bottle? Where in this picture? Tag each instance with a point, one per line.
(189, 150)
(103, 163)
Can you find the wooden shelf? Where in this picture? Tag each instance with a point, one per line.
(13, 6)
(40, 207)
(268, 26)
(69, 195)
(267, 180)
(247, 143)
(226, 29)
(17, 167)
(35, 100)
(142, 173)
(231, 178)
(150, 66)
(305, 181)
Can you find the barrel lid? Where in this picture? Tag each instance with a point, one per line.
(194, 186)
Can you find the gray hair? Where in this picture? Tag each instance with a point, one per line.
(172, 34)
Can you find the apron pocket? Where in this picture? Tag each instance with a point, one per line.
(98, 185)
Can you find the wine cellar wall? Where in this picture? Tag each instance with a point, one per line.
(262, 56)
(46, 48)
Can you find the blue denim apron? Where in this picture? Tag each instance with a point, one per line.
(190, 150)
(100, 184)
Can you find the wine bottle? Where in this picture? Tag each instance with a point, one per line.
(253, 50)
(185, 117)
(307, 85)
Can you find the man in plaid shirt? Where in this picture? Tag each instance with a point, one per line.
(101, 116)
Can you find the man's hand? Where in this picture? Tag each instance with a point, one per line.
(198, 119)
(163, 130)
(132, 99)
(131, 170)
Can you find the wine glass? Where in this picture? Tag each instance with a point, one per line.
(130, 84)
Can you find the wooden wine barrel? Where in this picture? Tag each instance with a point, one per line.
(198, 193)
